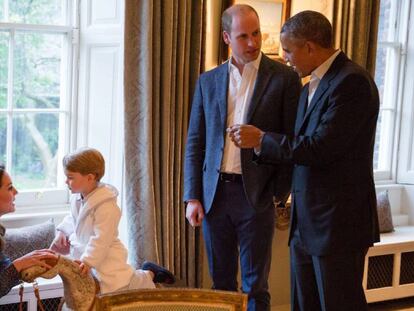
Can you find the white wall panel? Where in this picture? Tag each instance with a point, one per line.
(103, 12)
(100, 98)
(102, 94)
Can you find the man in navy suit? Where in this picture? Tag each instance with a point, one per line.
(223, 189)
(334, 218)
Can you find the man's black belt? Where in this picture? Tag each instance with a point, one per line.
(231, 177)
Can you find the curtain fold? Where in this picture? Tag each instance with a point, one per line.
(355, 27)
(163, 52)
(223, 49)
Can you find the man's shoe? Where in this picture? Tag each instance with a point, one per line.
(161, 275)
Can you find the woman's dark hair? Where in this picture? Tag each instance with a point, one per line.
(2, 169)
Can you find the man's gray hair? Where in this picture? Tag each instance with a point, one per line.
(227, 17)
(309, 26)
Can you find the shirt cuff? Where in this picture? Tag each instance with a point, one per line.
(258, 150)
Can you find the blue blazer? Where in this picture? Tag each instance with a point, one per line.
(273, 108)
(334, 202)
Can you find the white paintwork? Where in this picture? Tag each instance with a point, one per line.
(48, 289)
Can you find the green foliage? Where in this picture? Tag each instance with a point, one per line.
(36, 84)
(2, 9)
(4, 38)
(37, 70)
(3, 136)
(35, 11)
(26, 161)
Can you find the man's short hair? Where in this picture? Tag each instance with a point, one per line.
(309, 26)
(85, 161)
(227, 16)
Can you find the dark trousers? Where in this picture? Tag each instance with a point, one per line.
(329, 283)
(233, 227)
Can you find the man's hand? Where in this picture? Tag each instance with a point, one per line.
(245, 135)
(194, 213)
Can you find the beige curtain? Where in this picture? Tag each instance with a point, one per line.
(355, 26)
(163, 52)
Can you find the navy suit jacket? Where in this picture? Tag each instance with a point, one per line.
(334, 202)
(273, 108)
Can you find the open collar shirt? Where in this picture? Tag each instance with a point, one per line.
(318, 73)
(240, 91)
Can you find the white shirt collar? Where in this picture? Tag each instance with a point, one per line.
(320, 71)
(254, 63)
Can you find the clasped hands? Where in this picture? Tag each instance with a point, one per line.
(245, 135)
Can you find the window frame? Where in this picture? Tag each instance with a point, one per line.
(56, 199)
(393, 90)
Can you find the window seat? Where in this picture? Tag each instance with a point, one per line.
(389, 266)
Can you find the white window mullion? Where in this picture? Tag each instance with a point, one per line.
(9, 144)
(36, 28)
(6, 10)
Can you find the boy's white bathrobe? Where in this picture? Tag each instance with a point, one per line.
(92, 229)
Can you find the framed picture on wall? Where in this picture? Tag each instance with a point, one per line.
(272, 15)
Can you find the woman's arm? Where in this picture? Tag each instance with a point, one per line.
(9, 276)
(9, 271)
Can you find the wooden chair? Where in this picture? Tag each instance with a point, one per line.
(172, 299)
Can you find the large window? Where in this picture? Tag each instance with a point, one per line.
(36, 52)
(392, 36)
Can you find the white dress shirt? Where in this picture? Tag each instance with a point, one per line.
(318, 73)
(240, 92)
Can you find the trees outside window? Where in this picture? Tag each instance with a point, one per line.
(36, 52)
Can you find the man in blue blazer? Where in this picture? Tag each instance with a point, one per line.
(334, 218)
(223, 188)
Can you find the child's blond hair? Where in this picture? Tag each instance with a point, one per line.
(85, 161)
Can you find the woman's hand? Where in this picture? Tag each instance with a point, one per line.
(35, 258)
(60, 243)
(84, 268)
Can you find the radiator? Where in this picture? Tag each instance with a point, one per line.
(389, 276)
(50, 304)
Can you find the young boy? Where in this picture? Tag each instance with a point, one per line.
(90, 232)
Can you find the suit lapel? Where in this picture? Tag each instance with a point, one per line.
(263, 77)
(222, 82)
(303, 103)
(323, 86)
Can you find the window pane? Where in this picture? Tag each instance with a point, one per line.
(2, 10)
(4, 64)
(35, 146)
(49, 12)
(386, 77)
(380, 69)
(3, 138)
(384, 140)
(37, 63)
(384, 21)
